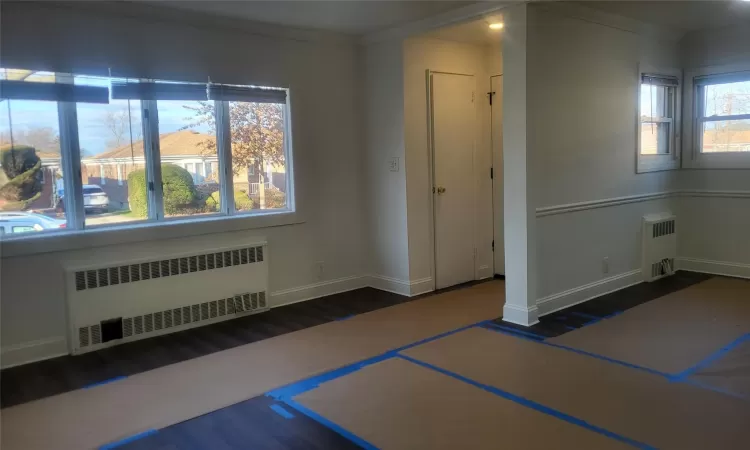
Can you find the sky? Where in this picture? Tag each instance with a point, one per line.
(93, 134)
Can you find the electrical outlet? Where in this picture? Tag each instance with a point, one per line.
(319, 269)
(393, 164)
(605, 264)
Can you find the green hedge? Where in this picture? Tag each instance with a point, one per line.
(275, 199)
(241, 201)
(177, 184)
(20, 181)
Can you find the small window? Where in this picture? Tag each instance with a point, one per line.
(658, 123)
(723, 114)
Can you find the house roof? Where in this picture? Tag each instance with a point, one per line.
(179, 143)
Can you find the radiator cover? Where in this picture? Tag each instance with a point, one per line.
(134, 299)
(659, 245)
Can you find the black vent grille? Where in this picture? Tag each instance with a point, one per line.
(111, 276)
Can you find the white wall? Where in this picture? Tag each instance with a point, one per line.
(715, 211)
(321, 71)
(386, 190)
(420, 55)
(583, 87)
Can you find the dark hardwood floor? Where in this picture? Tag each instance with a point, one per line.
(66, 373)
(580, 315)
(253, 424)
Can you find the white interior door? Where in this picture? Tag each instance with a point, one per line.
(453, 134)
(497, 168)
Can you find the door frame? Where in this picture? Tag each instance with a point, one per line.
(495, 167)
(431, 176)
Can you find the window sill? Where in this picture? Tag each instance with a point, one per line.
(652, 163)
(25, 245)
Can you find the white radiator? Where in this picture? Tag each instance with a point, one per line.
(129, 300)
(659, 245)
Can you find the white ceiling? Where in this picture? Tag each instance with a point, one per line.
(679, 15)
(351, 17)
(477, 32)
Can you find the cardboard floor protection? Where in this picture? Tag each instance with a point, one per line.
(730, 372)
(396, 404)
(635, 404)
(89, 418)
(674, 332)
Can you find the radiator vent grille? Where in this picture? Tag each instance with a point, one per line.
(162, 320)
(110, 276)
(664, 228)
(663, 267)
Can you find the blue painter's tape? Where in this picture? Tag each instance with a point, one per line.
(289, 391)
(516, 331)
(281, 411)
(711, 359)
(584, 315)
(529, 404)
(331, 425)
(568, 327)
(99, 383)
(128, 440)
(345, 317)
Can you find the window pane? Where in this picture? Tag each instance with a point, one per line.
(727, 99)
(726, 136)
(655, 138)
(654, 101)
(113, 170)
(187, 132)
(35, 203)
(258, 158)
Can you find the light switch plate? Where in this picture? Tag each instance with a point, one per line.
(393, 164)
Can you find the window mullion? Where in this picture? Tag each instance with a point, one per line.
(71, 165)
(152, 158)
(224, 153)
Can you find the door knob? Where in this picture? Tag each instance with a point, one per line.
(440, 190)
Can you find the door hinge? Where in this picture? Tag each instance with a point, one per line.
(490, 95)
(151, 186)
(145, 113)
(472, 97)
(493, 245)
(492, 173)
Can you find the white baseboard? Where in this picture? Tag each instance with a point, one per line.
(520, 315)
(485, 272)
(28, 352)
(402, 287)
(562, 300)
(315, 290)
(725, 268)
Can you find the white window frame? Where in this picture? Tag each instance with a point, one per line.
(119, 174)
(102, 178)
(661, 162)
(695, 159)
(77, 235)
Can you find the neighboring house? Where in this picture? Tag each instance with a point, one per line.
(185, 148)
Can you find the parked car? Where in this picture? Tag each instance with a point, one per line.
(24, 222)
(94, 199)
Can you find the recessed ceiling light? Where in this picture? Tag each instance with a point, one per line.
(499, 25)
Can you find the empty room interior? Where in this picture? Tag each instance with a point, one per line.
(374, 224)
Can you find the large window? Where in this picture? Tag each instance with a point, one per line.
(658, 131)
(146, 151)
(723, 114)
(31, 188)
